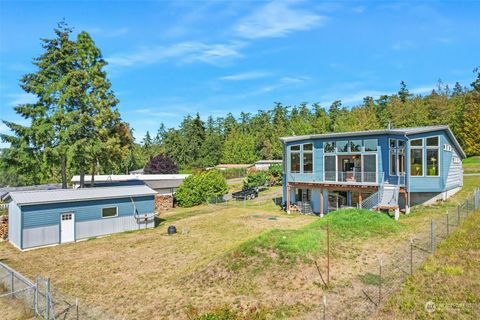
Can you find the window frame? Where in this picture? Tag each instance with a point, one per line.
(298, 152)
(411, 148)
(392, 151)
(107, 217)
(365, 147)
(303, 158)
(437, 148)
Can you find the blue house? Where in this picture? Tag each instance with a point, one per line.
(49, 217)
(378, 169)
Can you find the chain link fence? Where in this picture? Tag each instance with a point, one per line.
(43, 301)
(381, 282)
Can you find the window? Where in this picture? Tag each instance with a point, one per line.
(432, 142)
(356, 145)
(330, 168)
(109, 212)
(401, 144)
(329, 147)
(295, 158)
(401, 161)
(369, 167)
(416, 143)
(342, 146)
(308, 158)
(416, 162)
(393, 157)
(370, 145)
(433, 152)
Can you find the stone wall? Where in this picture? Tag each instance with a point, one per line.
(163, 202)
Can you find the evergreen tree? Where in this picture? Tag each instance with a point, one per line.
(403, 93)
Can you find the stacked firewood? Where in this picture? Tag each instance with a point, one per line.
(3, 227)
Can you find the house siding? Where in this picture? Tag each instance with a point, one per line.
(14, 224)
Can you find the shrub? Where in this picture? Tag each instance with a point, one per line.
(255, 179)
(231, 173)
(198, 187)
(161, 164)
(276, 172)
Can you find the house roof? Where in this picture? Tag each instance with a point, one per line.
(233, 166)
(268, 161)
(129, 177)
(6, 190)
(22, 198)
(403, 131)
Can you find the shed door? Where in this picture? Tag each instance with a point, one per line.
(67, 227)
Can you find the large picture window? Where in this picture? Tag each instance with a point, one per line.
(308, 158)
(433, 152)
(416, 162)
(109, 212)
(295, 159)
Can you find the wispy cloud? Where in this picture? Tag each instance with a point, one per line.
(186, 52)
(277, 19)
(108, 33)
(152, 112)
(246, 76)
(21, 98)
(402, 45)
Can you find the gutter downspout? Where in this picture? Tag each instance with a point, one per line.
(408, 175)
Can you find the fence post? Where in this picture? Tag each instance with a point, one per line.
(467, 206)
(380, 284)
(35, 299)
(432, 236)
(411, 256)
(76, 306)
(458, 216)
(12, 290)
(324, 307)
(47, 299)
(448, 225)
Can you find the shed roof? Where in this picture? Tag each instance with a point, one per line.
(6, 190)
(72, 195)
(268, 161)
(403, 131)
(129, 177)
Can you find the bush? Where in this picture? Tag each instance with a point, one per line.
(234, 173)
(198, 187)
(161, 164)
(255, 179)
(276, 172)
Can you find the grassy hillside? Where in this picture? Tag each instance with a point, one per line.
(471, 165)
(449, 279)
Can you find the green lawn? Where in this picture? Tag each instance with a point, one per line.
(471, 165)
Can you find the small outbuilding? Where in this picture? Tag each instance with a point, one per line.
(49, 217)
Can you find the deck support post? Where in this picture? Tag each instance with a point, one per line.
(321, 202)
(360, 200)
(407, 207)
(288, 198)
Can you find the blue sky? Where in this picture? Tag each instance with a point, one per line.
(168, 59)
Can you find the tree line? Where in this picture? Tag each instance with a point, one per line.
(250, 137)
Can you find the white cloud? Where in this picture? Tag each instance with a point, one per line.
(186, 52)
(108, 33)
(421, 90)
(156, 113)
(402, 45)
(277, 19)
(21, 98)
(246, 76)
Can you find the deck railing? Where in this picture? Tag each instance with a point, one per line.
(345, 177)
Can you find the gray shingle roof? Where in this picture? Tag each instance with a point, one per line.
(71, 195)
(405, 131)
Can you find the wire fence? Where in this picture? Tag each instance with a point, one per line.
(42, 301)
(381, 282)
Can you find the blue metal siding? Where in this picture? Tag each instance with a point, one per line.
(14, 224)
(49, 214)
(428, 183)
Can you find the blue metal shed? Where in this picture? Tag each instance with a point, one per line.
(49, 217)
